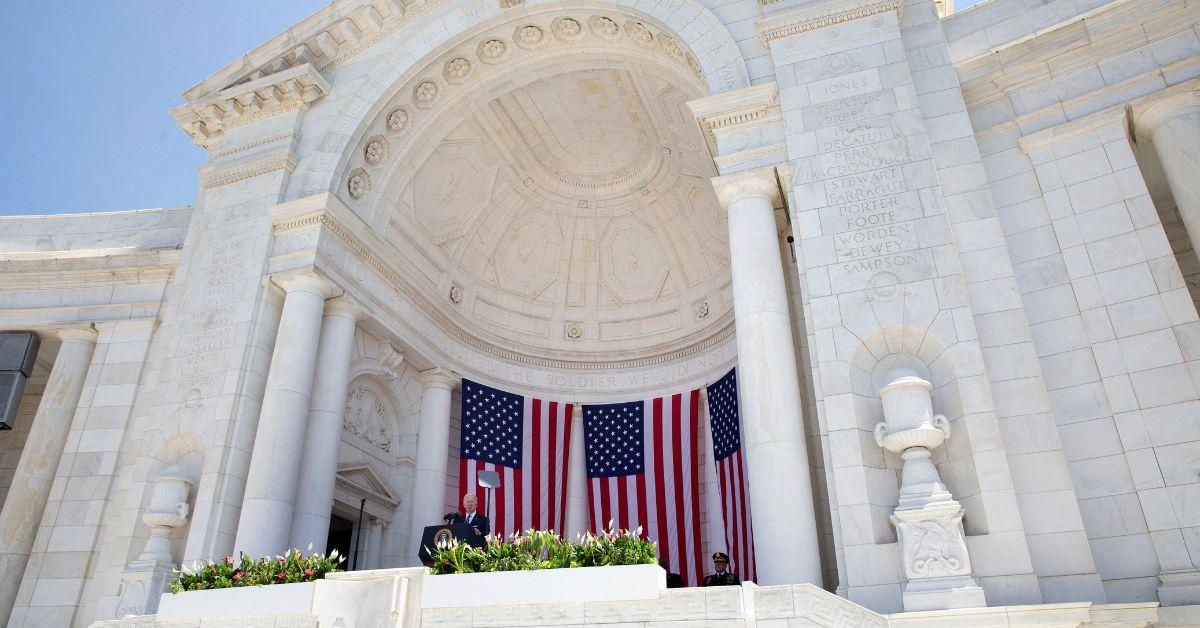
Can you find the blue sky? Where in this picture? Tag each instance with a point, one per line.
(85, 89)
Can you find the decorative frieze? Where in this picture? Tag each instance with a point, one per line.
(214, 176)
(820, 16)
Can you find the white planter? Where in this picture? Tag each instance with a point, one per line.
(545, 586)
(261, 600)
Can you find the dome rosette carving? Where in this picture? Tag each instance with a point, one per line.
(397, 120)
(425, 93)
(567, 29)
(359, 183)
(492, 51)
(376, 150)
(530, 37)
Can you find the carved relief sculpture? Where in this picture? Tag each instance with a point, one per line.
(367, 417)
(928, 520)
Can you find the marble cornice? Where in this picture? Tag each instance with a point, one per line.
(324, 39)
(737, 110)
(328, 218)
(70, 269)
(820, 16)
(207, 119)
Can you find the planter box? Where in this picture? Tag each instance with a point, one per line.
(261, 600)
(544, 586)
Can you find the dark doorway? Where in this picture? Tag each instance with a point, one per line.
(341, 533)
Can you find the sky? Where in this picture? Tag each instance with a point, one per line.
(86, 87)
(85, 92)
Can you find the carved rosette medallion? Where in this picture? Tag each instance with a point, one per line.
(492, 51)
(701, 309)
(567, 29)
(425, 93)
(670, 46)
(359, 183)
(397, 120)
(456, 70)
(574, 330)
(376, 150)
(639, 33)
(530, 37)
(367, 417)
(604, 27)
(456, 293)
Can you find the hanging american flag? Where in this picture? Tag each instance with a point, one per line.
(642, 470)
(731, 474)
(527, 441)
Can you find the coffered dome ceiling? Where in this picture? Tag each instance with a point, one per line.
(567, 215)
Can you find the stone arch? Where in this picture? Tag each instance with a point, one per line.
(703, 40)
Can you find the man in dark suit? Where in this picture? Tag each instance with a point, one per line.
(674, 580)
(722, 577)
(472, 518)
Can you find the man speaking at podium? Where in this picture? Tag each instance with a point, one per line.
(470, 517)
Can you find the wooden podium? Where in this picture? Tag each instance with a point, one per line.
(461, 532)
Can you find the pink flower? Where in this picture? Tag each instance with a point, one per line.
(308, 572)
(279, 576)
(237, 575)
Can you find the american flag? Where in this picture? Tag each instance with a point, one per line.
(731, 474)
(642, 470)
(527, 441)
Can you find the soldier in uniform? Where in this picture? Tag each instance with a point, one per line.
(721, 578)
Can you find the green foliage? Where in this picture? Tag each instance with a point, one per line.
(291, 567)
(544, 549)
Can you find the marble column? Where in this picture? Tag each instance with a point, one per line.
(30, 489)
(265, 523)
(1173, 127)
(712, 488)
(577, 502)
(374, 543)
(433, 453)
(783, 515)
(314, 497)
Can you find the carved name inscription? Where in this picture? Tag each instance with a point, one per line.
(862, 162)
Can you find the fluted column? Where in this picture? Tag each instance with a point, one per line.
(265, 523)
(433, 452)
(1173, 127)
(314, 497)
(577, 502)
(22, 513)
(782, 515)
(374, 543)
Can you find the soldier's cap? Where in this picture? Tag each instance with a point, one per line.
(720, 556)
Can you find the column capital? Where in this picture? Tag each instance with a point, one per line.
(306, 281)
(759, 183)
(743, 128)
(344, 307)
(438, 377)
(1170, 103)
(75, 334)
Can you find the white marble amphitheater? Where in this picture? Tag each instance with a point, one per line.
(972, 229)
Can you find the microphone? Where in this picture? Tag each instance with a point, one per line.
(449, 517)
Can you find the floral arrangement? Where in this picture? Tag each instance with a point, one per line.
(545, 549)
(249, 572)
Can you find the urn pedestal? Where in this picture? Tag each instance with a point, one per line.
(146, 578)
(928, 520)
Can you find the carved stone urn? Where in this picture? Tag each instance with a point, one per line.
(168, 510)
(928, 520)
